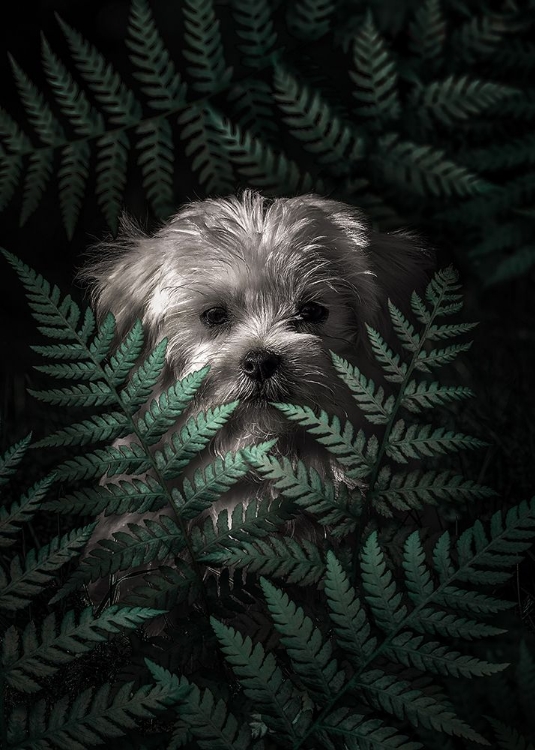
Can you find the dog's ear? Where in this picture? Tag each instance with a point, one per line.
(123, 275)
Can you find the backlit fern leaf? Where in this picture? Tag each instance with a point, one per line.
(283, 557)
(28, 657)
(310, 653)
(204, 47)
(256, 28)
(262, 680)
(94, 716)
(310, 19)
(31, 575)
(374, 75)
(161, 83)
(335, 143)
(22, 510)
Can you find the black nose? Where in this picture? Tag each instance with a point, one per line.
(260, 364)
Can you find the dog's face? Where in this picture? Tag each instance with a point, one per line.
(262, 291)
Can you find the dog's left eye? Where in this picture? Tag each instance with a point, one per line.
(312, 312)
(215, 316)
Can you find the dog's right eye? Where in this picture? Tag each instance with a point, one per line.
(215, 316)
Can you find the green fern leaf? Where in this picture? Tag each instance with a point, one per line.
(204, 47)
(203, 142)
(348, 448)
(10, 460)
(26, 664)
(72, 175)
(125, 497)
(369, 733)
(310, 19)
(192, 438)
(427, 33)
(413, 489)
(30, 576)
(450, 626)
(162, 413)
(38, 112)
(351, 623)
(371, 400)
(71, 370)
(161, 83)
(479, 37)
(414, 441)
(409, 338)
(332, 506)
(165, 587)
(106, 427)
(152, 542)
(71, 98)
(374, 75)
(109, 90)
(38, 174)
(145, 377)
(398, 698)
(262, 680)
(420, 396)
(296, 562)
(509, 738)
(94, 717)
(252, 107)
(476, 603)
(394, 369)
(513, 266)
(157, 162)
(112, 162)
(124, 359)
(95, 394)
(257, 161)
(15, 140)
(381, 591)
(10, 174)
(311, 656)
(21, 510)
(255, 27)
(124, 459)
(424, 169)
(460, 98)
(333, 142)
(208, 720)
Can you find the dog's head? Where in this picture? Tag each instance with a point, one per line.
(261, 290)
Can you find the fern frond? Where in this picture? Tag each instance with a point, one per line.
(163, 412)
(165, 587)
(253, 108)
(375, 75)
(255, 27)
(508, 737)
(151, 542)
(202, 142)
(415, 441)
(413, 489)
(144, 378)
(116, 100)
(21, 510)
(311, 655)
(424, 395)
(350, 449)
(95, 716)
(310, 19)
(376, 407)
(372, 733)
(10, 460)
(112, 163)
(283, 557)
(31, 575)
(38, 112)
(28, 658)
(192, 438)
(11, 166)
(350, 620)
(157, 161)
(334, 143)
(262, 680)
(404, 329)
(381, 591)
(38, 175)
(204, 47)
(134, 496)
(125, 459)
(208, 719)
(74, 104)
(460, 98)
(479, 37)
(424, 169)
(95, 394)
(391, 363)
(95, 429)
(398, 698)
(427, 32)
(156, 71)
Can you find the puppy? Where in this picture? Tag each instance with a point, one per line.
(262, 290)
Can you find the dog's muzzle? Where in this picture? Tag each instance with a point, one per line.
(260, 364)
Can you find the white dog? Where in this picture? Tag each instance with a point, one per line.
(261, 290)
